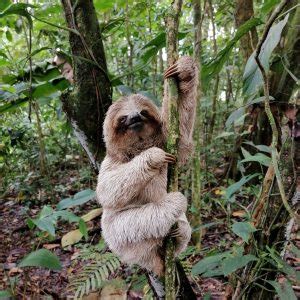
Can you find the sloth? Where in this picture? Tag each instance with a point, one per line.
(138, 213)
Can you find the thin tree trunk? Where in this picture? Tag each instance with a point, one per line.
(196, 171)
(243, 13)
(86, 105)
(42, 154)
(172, 24)
(216, 85)
(130, 49)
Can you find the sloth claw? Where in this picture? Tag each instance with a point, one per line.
(171, 71)
(170, 158)
(174, 233)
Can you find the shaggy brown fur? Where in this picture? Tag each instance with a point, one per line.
(132, 184)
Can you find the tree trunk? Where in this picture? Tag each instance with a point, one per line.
(86, 105)
(216, 85)
(172, 24)
(196, 171)
(243, 13)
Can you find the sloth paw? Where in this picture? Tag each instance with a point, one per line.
(184, 68)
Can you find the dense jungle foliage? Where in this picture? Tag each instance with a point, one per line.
(60, 71)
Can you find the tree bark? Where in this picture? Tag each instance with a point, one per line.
(196, 171)
(243, 13)
(86, 105)
(172, 24)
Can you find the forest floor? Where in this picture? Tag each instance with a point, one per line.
(17, 240)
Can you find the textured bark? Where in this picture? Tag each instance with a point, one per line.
(86, 105)
(244, 12)
(173, 134)
(196, 184)
(215, 93)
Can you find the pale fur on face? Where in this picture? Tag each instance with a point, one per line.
(122, 141)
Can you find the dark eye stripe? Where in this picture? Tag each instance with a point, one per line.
(144, 113)
(122, 119)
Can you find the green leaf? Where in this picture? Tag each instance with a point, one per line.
(41, 258)
(262, 148)
(5, 294)
(284, 291)
(8, 35)
(252, 75)
(237, 186)
(214, 66)
(235, 115)
(268, 6)
(83, 228)
(104, 5)
(152, 47)
(79, 198)
(258, 157)
(19, 9)
(243, 230)
(210, 266)
(4, 4)
(225, 134)
(231, 264)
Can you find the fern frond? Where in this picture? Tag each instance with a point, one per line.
(93, 276)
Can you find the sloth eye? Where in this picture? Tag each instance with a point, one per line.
(144, 113)
(122, 119)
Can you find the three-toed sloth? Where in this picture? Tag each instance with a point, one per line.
(138, 213)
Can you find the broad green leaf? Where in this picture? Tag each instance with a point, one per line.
(210, 266)
(231, 264)
(237, 186)
(214, 66)
(243, 230)
(284, 291)
(4, 4)
(252, 76)
(260, 158)
(111, 24)
(41, 258)
(79, 198)
(46, 224)
(234, 116)
(262, 148)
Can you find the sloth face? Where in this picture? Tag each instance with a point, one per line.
(132, 124)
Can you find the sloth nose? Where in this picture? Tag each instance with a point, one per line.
(136, 117)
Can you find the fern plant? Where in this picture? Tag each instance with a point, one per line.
(94, 275)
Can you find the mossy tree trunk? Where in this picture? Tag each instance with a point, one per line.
(86, 105)
(173, 135)
(196, 171)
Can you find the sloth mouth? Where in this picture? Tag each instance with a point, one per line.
(137, 125)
